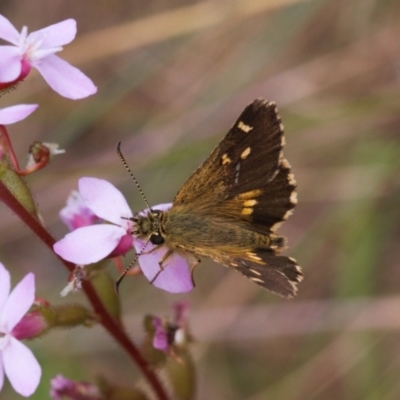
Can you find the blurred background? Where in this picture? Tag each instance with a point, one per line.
(173, 76)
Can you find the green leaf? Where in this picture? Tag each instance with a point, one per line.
(181, 373)
(17, 186)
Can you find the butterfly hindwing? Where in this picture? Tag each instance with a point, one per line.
(278, 274)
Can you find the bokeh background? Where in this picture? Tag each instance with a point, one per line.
(173, 76)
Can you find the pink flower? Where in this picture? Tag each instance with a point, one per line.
(168, 334)
(16, 360)
(10, 115)
(175, 277)
(62, 388)
(161, 340)
(90, 244)
(38, 50)
(75, 214)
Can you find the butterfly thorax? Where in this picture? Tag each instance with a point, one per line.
(149, 226)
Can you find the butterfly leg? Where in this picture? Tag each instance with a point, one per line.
(192, 269)
(149, 251)
(160, 263)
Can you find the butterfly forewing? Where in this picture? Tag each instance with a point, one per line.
(257, 132)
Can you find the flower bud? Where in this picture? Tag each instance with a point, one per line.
(16, 185)
(41, 318)
(32, 324)
(62, 387)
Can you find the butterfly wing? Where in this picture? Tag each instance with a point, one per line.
(247, 181)
(245, 178)
(279, 274)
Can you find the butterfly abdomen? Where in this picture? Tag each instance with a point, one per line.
(204, 235)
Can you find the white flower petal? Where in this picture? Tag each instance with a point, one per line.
(10, 115)
(55, 35)
(162, 207)
(175, 276)
(105, 200)
(21, 367)
(1, 373)
(10, 63)
(7, 31)
(64, 78)
(19, 302)
(5, 285)
(89, 244)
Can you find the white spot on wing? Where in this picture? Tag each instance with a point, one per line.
(237, 172)
(287, 215)
(255, 272)
(291, 179)
(245, 128)
(276, 226)
(285, 163)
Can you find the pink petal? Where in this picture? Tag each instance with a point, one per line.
(162, 207)
(160, 339)
(10, 115)
(1, 373)
(7, 31)
(89, 244)
(175, 278)
(4, 286)
(65, 79)
(21, 367)
(105, 200)
(10, 63)
(181, 312)
(76, 214)
(55, 35)
(19, 302)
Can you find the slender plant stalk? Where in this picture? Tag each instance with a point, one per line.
(111, 325)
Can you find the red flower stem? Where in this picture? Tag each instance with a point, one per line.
(7, 141)
(111, 325)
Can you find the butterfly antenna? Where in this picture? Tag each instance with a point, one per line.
(121, 157)
(122, 276)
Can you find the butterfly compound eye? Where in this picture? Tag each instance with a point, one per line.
(157, 239)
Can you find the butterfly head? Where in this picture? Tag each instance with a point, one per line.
(149, 226)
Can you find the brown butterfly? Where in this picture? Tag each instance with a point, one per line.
(232, 205)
